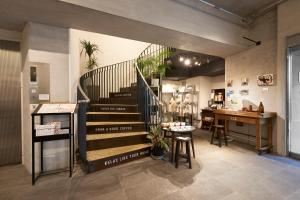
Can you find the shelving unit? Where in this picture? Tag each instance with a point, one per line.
(180, 115)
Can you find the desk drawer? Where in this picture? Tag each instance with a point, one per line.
(246, 120)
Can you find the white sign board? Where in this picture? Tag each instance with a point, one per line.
(57, 108)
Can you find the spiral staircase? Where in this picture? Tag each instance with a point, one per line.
(116, 109)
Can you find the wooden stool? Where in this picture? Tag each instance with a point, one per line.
(218, 130)
(187, 155)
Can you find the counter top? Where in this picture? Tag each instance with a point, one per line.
(245, 113)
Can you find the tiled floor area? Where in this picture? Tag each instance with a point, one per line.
(227, 173)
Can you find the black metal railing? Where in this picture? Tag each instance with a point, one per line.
(149, 104)
(99, 82)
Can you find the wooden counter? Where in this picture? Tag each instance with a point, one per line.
(253, 118)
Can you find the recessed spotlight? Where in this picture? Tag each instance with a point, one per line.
(181, 59)
(187, 61)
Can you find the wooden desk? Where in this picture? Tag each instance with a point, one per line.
(253, 118)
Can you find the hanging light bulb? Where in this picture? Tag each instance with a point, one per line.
(181, 59)
(187, 61)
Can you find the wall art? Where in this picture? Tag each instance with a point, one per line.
(265, 80)
(244, 81)
(244, 92)
(229, 83)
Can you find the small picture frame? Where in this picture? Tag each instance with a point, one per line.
(244, 81)
(265, 80)
(229, 83)
(244, 92)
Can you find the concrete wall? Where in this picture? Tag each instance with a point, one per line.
(249, 64)
(112, 50)
(45, 44)
(288, 17)
(10, 35)
(218, 82)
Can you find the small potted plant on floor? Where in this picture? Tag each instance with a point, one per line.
(159, 143)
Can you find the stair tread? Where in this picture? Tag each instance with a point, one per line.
(105, 153)
(101, 104)
(103, 136)
(111, 123)
(113, 113)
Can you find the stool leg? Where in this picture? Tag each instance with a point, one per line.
(212, 135)
(220, 138)
(177, 154)
(192, 142)
(225, 138)
(188, 153)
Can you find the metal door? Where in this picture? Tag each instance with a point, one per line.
(10, 103)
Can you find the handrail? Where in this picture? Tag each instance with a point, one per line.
(145, 82)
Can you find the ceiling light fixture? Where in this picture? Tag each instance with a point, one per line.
(207, 60)
(187, 61)
(199, 64)
(196, 63)
(181, 59)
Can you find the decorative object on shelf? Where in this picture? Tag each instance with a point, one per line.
(89, 50)
(229, 83)
(244, 81)
(159, 143)
(261, 108)
(265, 80)
(244, 92)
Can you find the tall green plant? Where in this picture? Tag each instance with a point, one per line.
(154, 64)
(89, 50)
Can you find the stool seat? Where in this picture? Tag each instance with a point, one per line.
(219, 126)
(184, 139)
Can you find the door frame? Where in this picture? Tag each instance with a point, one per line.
(292, 42)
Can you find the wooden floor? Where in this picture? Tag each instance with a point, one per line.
(105, 153)
(104, 136)
(113, 113)
(111, 123)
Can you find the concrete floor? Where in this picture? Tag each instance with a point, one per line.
(227, 173)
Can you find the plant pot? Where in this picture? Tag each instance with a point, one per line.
(148, 80)
(158, 151)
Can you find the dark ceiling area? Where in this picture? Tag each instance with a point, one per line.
(187, 64)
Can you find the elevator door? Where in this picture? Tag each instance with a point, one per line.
(10, 103)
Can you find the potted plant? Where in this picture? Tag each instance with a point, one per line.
(154, 66)
(159, 143)
(89, 50)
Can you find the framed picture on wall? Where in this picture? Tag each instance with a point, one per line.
(229, 83)
(265, 80)
(244, 81)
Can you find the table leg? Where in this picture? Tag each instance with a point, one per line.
(270, 132)
(172, 148)
(258, 137)
(42, 155)
(192, 141)
(32, 164)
